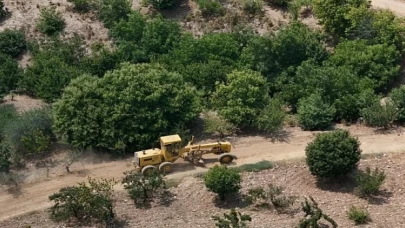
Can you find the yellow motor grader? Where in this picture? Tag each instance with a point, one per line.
(170, 150)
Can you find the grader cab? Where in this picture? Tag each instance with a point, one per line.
(170, 150)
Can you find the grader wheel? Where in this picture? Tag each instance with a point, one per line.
(147, 170)
(166, 167)
(225, 158)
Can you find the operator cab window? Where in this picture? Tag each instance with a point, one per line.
(173, 148)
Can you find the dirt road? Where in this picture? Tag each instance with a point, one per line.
(34, 196)
(395, 6)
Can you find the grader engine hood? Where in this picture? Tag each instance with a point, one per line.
(148, 156)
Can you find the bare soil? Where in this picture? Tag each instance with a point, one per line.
(191, 205)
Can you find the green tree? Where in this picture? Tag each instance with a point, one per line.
(3, 11)
(10, 74)
(12, 42)
(332, 14)
(234, 219)
(378, 62)
(142, 188)
(398, 98)
(222, 181)
(314, 113)
(217, 124)
(86, 202)
(242, 97)
(380, 115)
(130, 106)
(51, 21)
(332, 154)
(271, 117)
(112, 11)
(5, 156)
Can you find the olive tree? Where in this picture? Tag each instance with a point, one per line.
(127, 109)
(242, 97)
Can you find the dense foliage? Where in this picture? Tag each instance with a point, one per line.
(112, 11)
(380, 115)
(398, 99)
(5, 156)
(10, 74)
(160, 4)
(332, 154)
(127, 109)
(82, 6)
(210, 7)
(314, 114)
(12, 42)
(242, 97)
(223, 181)
(3, 11)
(51, 21)
(84, 202)
(29, 134)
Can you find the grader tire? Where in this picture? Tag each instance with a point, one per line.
(166, 167)
(147, 170)
(225, 158)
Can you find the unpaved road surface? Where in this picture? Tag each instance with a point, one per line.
(291, 145)
(396, 6)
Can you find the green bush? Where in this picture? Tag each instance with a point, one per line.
(242, 98)
(51, 21)
(398, 98)
(379, 62)
(314, 114)
(7, 115)
(332, 154)
(222, 181)
(358, 215)
(159, 4)
(142, 188)
(369, 182)
(282, 3)
(272, 117)
(234, 219)
(85, 202)
(271, 197)
(82, 6)
(112, 11)
(126, 110)
(10, 74)
(313, 214)
(12, 42)
(216, 124)
(253, 6)
(30, 133)
(378, 115)
(3, 11)
(5, 155)
(211, 7)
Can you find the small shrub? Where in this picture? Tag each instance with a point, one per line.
(358, 215)
(7, 115)
(216, 124)
(313, 214)
(369, 182)
(12, 42)
(222, 181)
(378, 115)
(271, 197)
(85, 202)
(50, 21)
(82, 6)
(3, 11)
(159, 4)
(314, 114)
(142, 188)
(398, 98)
(253, 6)
(234, 219)
(211, 7)
(5, 156)
(332, 154)
(10, 74)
